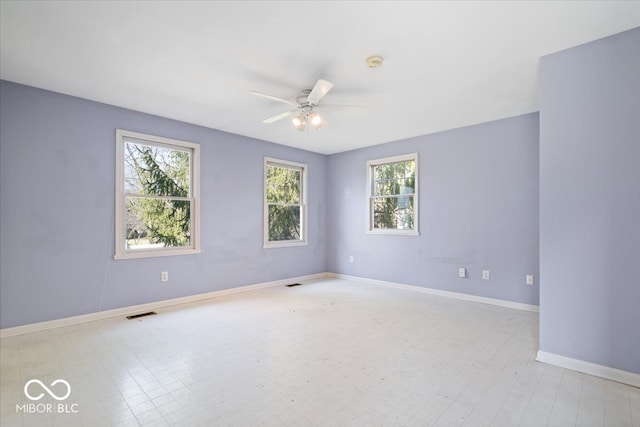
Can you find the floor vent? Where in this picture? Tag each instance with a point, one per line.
(135, 316)
(294, 284)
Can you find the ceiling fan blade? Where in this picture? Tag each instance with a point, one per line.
(361, 108)
(273, 98)
(278, 117)
(319, 91)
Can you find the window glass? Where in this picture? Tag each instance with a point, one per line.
(284, 203)
(392, 195)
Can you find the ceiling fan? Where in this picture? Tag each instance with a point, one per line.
(305, 106)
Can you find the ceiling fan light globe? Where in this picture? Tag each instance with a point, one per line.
(316, 120)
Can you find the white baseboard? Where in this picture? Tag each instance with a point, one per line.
(448, 294)
(601, 371)
(141, 308)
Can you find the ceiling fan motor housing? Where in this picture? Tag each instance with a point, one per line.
(303, 98)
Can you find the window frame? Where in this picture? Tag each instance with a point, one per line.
(371, 164)
(123, 136)
(269, 161)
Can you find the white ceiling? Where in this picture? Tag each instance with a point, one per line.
(447, 64)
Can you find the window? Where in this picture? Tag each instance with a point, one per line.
(392, 195)
(157, 206)
(284, 203)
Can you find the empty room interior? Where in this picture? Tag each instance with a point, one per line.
(358, 213)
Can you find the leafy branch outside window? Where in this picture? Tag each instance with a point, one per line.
(284, 203)
(157, 196)
(393, 196)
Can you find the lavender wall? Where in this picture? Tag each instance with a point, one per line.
(478, 209)
(590, 202)
(57, 168)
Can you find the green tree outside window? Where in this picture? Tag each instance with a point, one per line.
(392, 196)
(284, 202)
(157, 193)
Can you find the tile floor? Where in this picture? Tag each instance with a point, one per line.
(327, 353)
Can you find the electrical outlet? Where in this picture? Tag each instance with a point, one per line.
(462, 272)
(350, 259)
(165, 276)
(485, 274)
(529, 279)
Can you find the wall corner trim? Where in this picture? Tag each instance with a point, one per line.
(125, 311)
(438, 292)
(601, 371)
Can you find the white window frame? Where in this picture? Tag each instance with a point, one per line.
(303, 207)
(120, 216)
(371, 164)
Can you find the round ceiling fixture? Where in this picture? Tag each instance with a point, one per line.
(374, 61)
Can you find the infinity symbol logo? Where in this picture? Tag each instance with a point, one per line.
(52, 394)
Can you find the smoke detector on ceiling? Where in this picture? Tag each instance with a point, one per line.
(374, 61)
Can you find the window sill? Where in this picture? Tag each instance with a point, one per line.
(270, 245)
(156, 253)
(394, 232)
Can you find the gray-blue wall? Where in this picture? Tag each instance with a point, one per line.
(590, 202)
(478, 208)
(57, 166)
